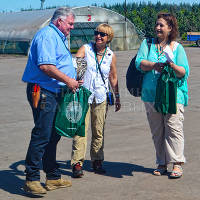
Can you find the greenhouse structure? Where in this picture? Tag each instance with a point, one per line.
(18, 28)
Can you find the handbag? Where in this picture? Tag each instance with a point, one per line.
(110, 97)
(134, 77)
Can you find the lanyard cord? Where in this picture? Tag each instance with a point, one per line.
(99, 64)
(59, 35)
(62, 40)
(160, 50)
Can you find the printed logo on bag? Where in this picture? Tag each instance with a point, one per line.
(74, 112)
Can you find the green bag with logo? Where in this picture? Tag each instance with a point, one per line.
(70, 116)
(166, 92)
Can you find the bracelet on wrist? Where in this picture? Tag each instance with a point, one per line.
(117, 95)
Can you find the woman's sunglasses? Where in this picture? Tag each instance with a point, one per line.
(102, 34)
(165, 14)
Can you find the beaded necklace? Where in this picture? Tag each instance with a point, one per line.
(160, 50)
(99, 53)
(98, 64)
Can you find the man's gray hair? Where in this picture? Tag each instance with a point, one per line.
(62, 13)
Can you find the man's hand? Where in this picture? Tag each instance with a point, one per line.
(74, 85)
(53, 72)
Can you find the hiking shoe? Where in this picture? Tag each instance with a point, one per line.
(77, 171)
(34, 187)
(58, 183)
(97, 167)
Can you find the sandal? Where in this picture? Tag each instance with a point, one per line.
(177, 172)
(161, 170)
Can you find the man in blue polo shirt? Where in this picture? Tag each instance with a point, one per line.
(49, 67)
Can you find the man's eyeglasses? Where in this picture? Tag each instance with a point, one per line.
(102, 34)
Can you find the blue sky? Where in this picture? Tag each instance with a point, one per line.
(16, 5)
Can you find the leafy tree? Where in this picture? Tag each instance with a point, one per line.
(143, 15)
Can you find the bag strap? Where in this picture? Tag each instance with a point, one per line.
(149, 42)
(101, 74)
(99, 64)
(109, 87)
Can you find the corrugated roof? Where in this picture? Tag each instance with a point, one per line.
(22, 26)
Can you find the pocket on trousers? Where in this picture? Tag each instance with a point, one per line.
(181, 112)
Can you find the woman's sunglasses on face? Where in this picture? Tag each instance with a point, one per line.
(102, 34)
(166, 14)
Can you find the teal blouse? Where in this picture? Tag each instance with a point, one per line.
(151, 77)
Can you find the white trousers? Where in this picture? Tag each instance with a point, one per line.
(167, 134)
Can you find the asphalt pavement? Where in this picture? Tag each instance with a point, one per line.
(129, 150)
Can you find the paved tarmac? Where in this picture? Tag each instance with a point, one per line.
(129, 151)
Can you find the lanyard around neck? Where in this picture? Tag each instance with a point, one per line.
(160, 51)
(59, 36)
(98, 64)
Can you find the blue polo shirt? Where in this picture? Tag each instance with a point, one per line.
(49, 46)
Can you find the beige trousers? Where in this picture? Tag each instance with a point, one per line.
(79, 145)
(167, 134)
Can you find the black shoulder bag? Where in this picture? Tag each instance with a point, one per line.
(134, 77)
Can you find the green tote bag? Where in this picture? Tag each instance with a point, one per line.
(70, 116)
(166, 92)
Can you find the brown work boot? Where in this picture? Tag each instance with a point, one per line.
(34, 187)
(55, 184)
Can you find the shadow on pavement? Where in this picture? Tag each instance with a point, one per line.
(116, 169)
(11, 183)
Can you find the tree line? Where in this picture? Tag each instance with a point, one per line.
(143, 15)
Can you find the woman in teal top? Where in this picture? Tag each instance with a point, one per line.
(167, 130)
